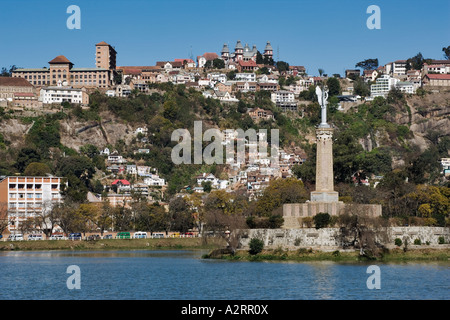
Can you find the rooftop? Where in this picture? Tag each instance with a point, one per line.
(60, 59)
(438, 76)
(15, 82)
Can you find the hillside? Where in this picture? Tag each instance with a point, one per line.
(395, 132)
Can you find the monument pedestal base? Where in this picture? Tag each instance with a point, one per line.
(324, 196)
(294, 212)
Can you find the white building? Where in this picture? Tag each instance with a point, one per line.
(285, 100)
(217, 77)
(383, 85)
(406, 87)
(282, 96)
(27, 197)
(116, 158)
(399, 67)
(141, 130)
(60, 94)
(224, 96)
(246, 77)
(131, 169)
(154, 180)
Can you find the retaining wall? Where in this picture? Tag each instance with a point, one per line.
(329, 238)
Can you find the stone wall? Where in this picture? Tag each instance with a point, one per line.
(310, 209)
(328, 238)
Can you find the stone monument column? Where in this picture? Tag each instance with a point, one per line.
(324, 168)
(324, 159)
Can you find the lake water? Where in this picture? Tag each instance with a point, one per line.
(183, 275)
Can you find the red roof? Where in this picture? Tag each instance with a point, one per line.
(121, 181)
(368, 72)
(210, 55)
(440, 61)
(14, 81)
(435, 76)
(60, 59)
(249, 63)
(182, 60)
(23, 94)
(103, 43)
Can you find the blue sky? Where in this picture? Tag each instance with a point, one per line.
(327, 34)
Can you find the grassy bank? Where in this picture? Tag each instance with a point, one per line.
(113, 244)
(395, 255)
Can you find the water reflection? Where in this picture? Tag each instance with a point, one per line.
(324, 280)
(144, 274)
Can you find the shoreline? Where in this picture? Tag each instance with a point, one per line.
(280, 255)
(216, 251)
(112, 244)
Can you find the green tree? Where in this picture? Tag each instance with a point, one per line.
(181, 215)
(321, 220)
(259, 58)
(282, 66)
(334, 87)
(446, 51)
(207, 186)
(26, 156)
(279, 192)
(256, 246)
(368, 64)
(416, 62)
(36, 169)
(361, 88)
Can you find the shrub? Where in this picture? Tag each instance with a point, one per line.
(333, 221)
(417, 242)
(398, 242)
(430, 222)
(336, 253)
(441, 240)
(275, 221)
(256, 246)
(251, 223)
(321, 220)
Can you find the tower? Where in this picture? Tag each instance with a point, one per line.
(60, 70)
(238, 51)
(268, 50)
(225, 52)
(105, 56)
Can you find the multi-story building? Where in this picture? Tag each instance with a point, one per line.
(383, 85)
(18, 91)
(60, 94)
(258, 114)
(436, 80)
(285, 100)
(61, 69)
(26, 197)
(105, 57)
(399, 67)
(246, 77)
(406, 87)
